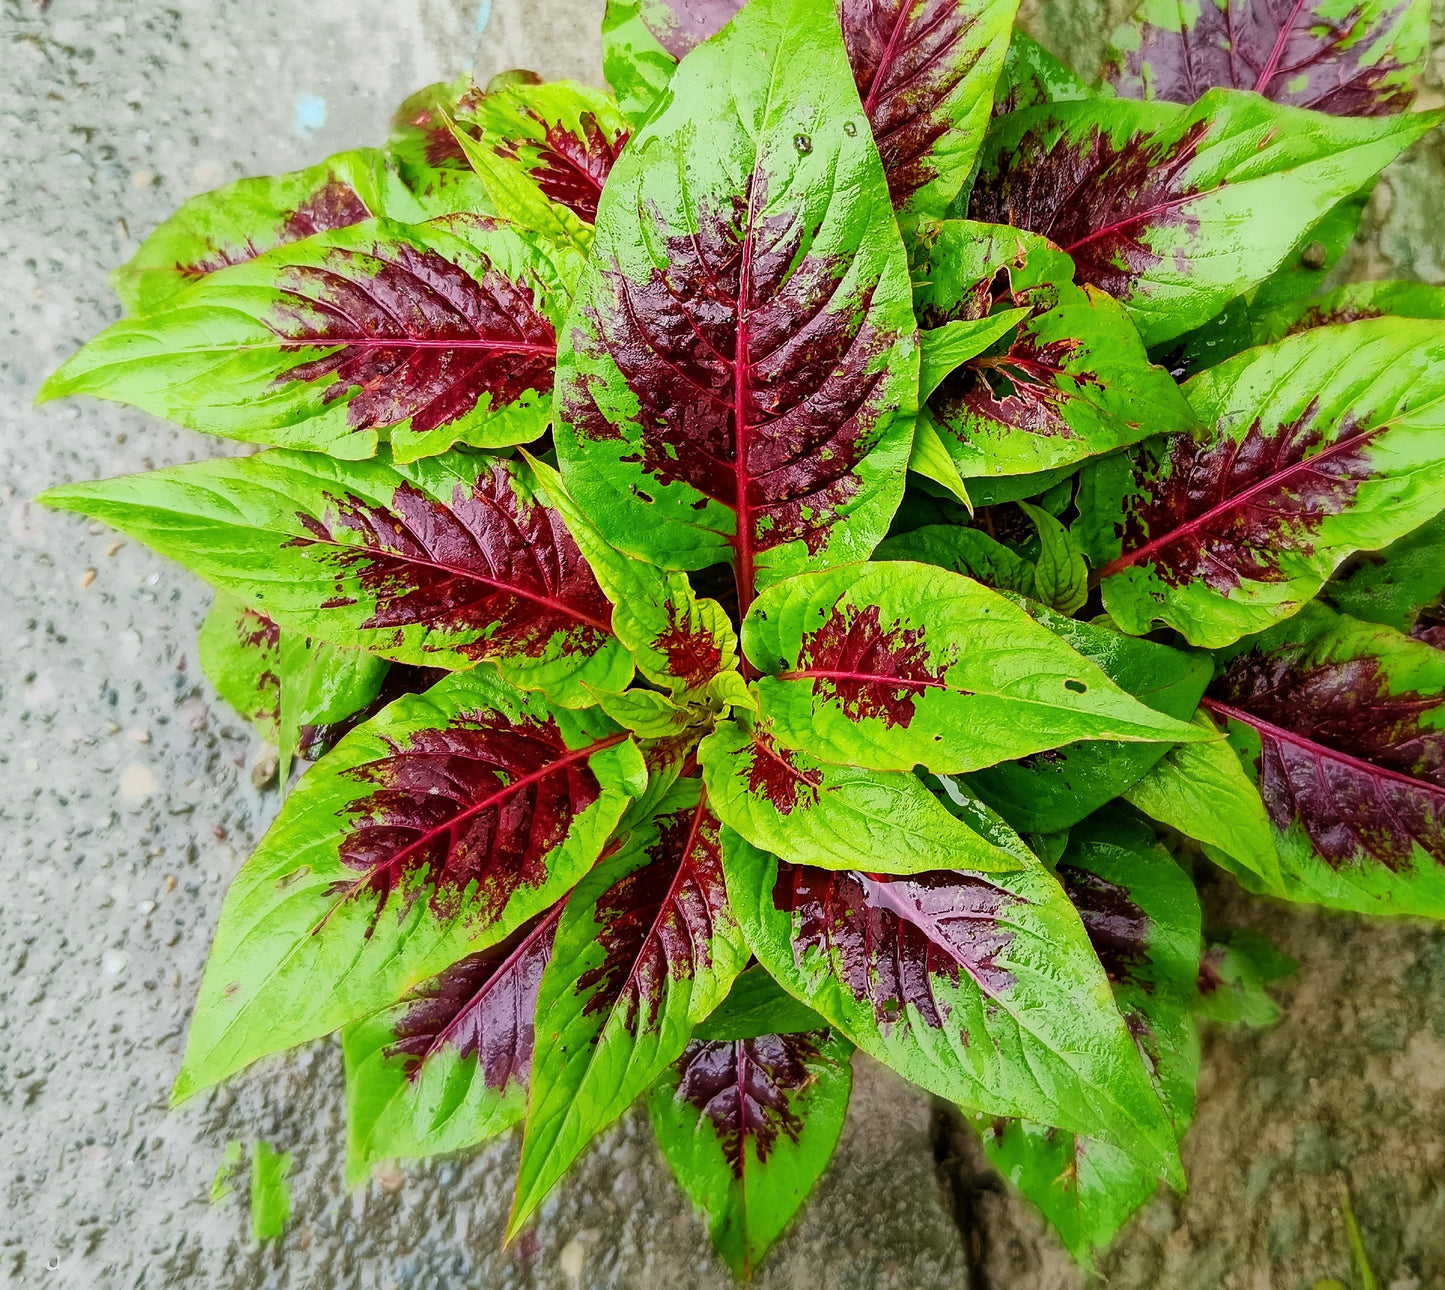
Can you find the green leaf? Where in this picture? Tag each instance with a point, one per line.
(1202, 790)
(1061, 577)
(1350, 303)
(1142, 916)
(321, 685)
(374, 877)
(930, 459)
(646, 948)
(1315, 257)
(1232, 979)
(1402, 586)
(1176, 210)
(840, 817)
(242, 220)
(224, 1183)
(982, 989)
(963, 550)
(1032, 76)
(240, 653)
(635, 61)
(756, 160)
(1071, 381)
(678, 640)
(441, 563)
(422, 335)
(1327, 443)
(896, 665)
(519, 199)
(270, 1192)
(943, 349)
(448, 1065)
(1055, 790)
(561, 135)
(757, 1005)
(748, 1126)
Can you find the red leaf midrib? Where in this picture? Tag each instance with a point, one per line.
(571, 758)
(1318, 750)
(469, 574)
(476, 998)
(1279, 478)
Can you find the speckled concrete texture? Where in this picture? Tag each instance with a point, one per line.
(127, 804)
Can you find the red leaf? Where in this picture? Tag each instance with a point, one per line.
(1118, 929)
(417, 336)
(1092, 199)
(871, 671)
(755, 381)
(656, 922)
(483, 1005)
(1298, 52)
(682, 25)
(747, 1087)
(894, 936)
(490, 563)
(1341, 754)
(904, 58)
(473, 809)
(1229, 510)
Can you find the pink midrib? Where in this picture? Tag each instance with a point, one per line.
(1272, 64)
(1320, 750)
(895, 38)
(506, 965)
(472, 576)
(551, 768)
(872, 678)
(742, 384)
(1214, 512)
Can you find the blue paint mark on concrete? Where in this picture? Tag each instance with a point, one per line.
(484, 16)
(310, 113)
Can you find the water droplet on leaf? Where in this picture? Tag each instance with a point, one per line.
(803, 144)
(849, 129)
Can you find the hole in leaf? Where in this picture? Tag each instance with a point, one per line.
(1076, 687)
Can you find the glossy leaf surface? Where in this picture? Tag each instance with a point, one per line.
(242, 220)
(1160, 206)
(980, 988)
(1322, 445)
(321, 686)
(1056, 789)
(431, 832)
(840, 816)
(448, 1065)
(647, 947)
(1349, 60)
(1071, 381)
(1031, 77)
(898, 665)
(757, 1005)
(240, 653)
(643, 40)
(926, 71)
(1142, 916)
(679, 640)
(1202, 790)
(1342, 726)
(563, 136)
(1351, 303)
(1402, 586)
(422, 335)
(738, 378)
(748, 1126)
(963, 550)
(447, 562)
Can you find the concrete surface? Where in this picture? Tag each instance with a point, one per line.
(126, 805)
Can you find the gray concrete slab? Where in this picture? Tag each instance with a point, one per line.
(126, 803)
